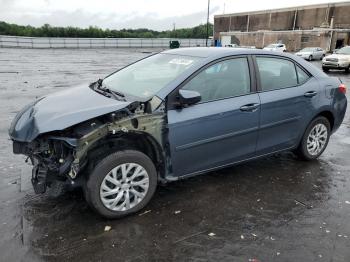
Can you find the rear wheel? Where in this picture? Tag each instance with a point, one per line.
(325, 69)
(315, 139)
(347, 70)
(121, 184)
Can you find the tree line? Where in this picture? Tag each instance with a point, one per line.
(96, 32)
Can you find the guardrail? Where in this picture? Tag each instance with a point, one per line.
(58, 42)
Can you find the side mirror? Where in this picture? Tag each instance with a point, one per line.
(188, 97)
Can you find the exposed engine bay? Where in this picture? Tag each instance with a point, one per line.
(63, 155)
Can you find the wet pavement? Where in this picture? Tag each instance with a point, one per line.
(273, 209)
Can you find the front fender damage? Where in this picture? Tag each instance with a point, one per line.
(64, 155)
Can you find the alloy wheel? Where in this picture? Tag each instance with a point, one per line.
(317, 139)
(124, 187)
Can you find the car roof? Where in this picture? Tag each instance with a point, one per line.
(207, 52)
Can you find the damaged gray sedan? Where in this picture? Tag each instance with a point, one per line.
(173, 115)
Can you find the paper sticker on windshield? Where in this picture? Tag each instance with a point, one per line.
(181, 61)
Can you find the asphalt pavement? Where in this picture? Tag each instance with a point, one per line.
(273, 209)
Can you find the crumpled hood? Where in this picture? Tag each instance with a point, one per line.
(61, 110)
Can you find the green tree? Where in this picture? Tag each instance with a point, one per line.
(92, 31)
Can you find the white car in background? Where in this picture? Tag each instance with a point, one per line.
(339, 60)
(232, 45)
(276, 47)
(240, 46)
(312, 53)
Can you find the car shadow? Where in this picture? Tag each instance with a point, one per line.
(253, 196)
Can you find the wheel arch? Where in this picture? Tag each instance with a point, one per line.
(325, 113)
(139, 141)
(328, 115)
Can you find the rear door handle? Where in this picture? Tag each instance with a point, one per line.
(249, 107)
(310, 94)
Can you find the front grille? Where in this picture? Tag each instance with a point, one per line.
(332, 59)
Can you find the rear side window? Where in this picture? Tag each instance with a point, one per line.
(302, 76)
(276, 73)
(224, 79)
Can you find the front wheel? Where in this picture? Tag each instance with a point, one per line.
(325, 69)
(121, 184)
(310, 58)
(315, 139)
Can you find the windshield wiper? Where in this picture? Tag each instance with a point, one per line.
(116, 94)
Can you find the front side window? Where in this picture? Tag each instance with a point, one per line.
(276, 73)
(225, 79)
(148, 76)
(307, 49)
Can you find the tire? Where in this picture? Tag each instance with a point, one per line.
(310, 58)
(323, 56)
(112, 168)
(347, 70)
(325, 69)
(304, 151)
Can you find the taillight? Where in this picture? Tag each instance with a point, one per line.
(342, 88)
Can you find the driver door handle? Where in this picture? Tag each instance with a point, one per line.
(249, 107)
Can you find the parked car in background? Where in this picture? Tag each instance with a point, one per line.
(232, 45)
(172, 115)
(312, 53)
(240, 46)
(174, 44)
(339, 60)
(276, 48)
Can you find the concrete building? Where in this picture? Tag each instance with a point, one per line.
(323, 25)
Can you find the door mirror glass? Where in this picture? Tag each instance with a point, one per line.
(188, 97)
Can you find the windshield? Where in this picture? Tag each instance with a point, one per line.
(148, 76)
(344, 51)
(308, 49)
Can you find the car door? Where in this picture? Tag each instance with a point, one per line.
(316, 53)
(222, 128)
(320, 53)
(288, 96)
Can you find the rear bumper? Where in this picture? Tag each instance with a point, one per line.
(340, 110)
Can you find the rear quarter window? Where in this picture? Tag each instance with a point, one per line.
(302, 76)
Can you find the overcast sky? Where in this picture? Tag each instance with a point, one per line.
(117, 14)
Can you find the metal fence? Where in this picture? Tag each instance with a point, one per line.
(58, 42)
